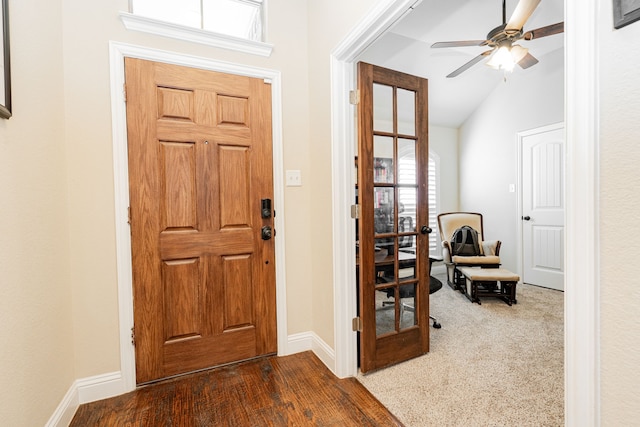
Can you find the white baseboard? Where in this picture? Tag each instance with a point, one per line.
(86, 390)
(66, 409)
(100, 387)
(305, 341)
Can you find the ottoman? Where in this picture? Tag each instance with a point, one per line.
(490, 282)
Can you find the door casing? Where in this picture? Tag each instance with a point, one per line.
(118, 51)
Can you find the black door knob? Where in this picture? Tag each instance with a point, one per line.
(526, 218)
(266, 232)
(425, 230)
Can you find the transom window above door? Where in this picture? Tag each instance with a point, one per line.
(230, 24)
(238, 18)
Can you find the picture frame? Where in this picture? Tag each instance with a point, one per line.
(5, 63)
(625, 12)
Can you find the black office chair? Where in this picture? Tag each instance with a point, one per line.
(409, 292)
(434, 286)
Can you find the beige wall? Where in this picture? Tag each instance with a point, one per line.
(36, 336)
(620, 204)
(329, 22)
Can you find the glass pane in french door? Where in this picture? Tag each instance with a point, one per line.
(408, 317)
(385, 286)
(383, 159)
(406, 161)
(382, 108)
(406, 112)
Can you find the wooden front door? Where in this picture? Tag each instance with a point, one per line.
(200, 166)
(393, 232)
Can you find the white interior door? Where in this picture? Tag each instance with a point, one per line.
(543, 204)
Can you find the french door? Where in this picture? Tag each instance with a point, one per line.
(393, 229)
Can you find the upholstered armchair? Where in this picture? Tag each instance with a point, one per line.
(489, 256)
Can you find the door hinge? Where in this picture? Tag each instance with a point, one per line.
(354, 97)
(129, 215)
(133, 336)
(124, 91)
(355, 211)
(356, 324)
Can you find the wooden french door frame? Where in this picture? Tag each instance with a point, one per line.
(382, 233)
(125, 379)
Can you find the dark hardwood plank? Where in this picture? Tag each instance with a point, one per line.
(296, 390)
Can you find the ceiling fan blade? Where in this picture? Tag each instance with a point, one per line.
(528, 61)
(549, 30)
(469, 64)
(523, 11)
(462, 43)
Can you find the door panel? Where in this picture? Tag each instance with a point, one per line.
(393, 267)
(199, 163)
(543, 208)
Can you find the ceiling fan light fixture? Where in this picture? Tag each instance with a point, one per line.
(503, 53)
(518, 52)
(501, 59)
(506, 57)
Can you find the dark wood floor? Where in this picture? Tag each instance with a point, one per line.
(296, 390)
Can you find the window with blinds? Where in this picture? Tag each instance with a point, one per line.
(434, 237)
(407, 196)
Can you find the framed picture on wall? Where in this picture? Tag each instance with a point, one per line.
(5, 64)
(625, 12)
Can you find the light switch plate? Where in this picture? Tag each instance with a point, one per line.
(294, 178)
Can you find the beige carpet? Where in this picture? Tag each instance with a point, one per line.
(489, 365)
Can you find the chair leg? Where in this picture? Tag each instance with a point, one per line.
(435, 322)
(405, 306)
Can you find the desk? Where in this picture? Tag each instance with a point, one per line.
(406, 256)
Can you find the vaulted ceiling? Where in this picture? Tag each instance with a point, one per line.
(407, 48)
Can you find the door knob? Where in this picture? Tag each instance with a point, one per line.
(425, 230)
(266, 233)
(526, 218)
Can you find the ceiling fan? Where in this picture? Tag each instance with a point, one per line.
(504, 53)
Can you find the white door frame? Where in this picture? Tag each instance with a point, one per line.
(118, 52)
(582, 379)
(520, 136)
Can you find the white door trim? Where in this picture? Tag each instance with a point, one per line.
(520, 136)
(582, 381)
(118, 51)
